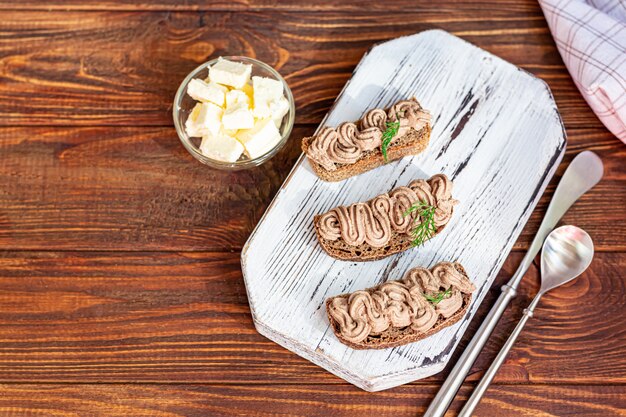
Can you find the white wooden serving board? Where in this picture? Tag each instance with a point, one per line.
(496, 132)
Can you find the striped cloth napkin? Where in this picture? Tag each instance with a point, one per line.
(591, 37)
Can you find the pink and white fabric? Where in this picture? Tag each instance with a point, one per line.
(591, 37)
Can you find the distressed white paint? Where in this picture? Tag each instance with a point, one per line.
(496, 132)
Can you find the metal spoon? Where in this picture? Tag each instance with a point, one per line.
(566, 253)
(580, 176)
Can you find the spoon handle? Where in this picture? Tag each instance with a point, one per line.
(482, 386)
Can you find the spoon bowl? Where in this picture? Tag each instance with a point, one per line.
(567, 253)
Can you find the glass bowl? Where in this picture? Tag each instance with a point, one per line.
(183, 104)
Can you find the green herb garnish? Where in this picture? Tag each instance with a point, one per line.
(388, 134)
(425, 222)
(439, 297)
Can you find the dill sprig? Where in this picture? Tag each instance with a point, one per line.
(388, 134)
(439, 297)
(424, 222)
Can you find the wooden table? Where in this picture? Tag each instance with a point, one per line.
(120, 286)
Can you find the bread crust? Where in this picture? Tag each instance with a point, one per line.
(412, 143)
(406, 335)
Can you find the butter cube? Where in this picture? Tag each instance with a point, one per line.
(238, 117)
(204, 118)
(278, 110)
(191, 127)
(266, 90)
(221, 147)
(233, 74)
(249, 91)
(236, 97)
(203, 91)
(260, 139)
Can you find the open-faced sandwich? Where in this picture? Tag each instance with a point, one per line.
(399, 312)
(389, 223)
(382, 135)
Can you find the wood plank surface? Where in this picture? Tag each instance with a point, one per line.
(125, 189)
(75, 312)
(301, 401)
(443, 6)
(184, 318)
(111, 188)
(127, 65)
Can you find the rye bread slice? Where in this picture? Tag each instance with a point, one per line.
(412, 143)
(339, 249)
(393, 337)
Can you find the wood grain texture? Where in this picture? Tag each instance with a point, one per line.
(133, 317)
(127, 65)
(444, 6)
(109, 188)
(184, 318)
(125, 189)
(300, 401)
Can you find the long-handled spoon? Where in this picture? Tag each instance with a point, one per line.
(566, 253)
(583, 173)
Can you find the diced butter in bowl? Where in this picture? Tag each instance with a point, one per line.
(233, 112)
